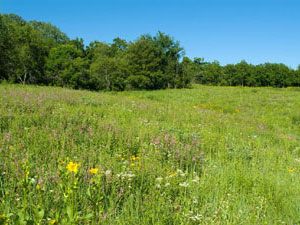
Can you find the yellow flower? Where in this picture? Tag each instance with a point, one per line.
(37, 187)
(2, 216)
(73, 167)
(132, 164)
(52, 221)
(94, 170)
(290, 170)
(194, 106)
(11, 147)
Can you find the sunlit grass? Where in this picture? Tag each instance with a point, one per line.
(207, 155)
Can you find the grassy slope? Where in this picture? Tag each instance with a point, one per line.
(225, 156)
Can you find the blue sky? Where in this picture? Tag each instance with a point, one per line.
(225, 30)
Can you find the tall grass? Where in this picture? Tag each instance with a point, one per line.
(207, 155)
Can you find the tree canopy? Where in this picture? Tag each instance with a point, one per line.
(37, 52)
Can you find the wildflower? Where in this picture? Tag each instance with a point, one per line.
(2, 216)
(194, 106)
(184, 184)
(196, 217)
(290, 170)
(132, 164)
(11, 147)
(122, 159)
(37, 187)
(130, 175)
(94, 170)
(107, 173)
(73, 167)
(52, 221)
(180, 172)
(33, 180)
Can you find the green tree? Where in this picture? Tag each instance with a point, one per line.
(154, 63)
(213, 73)
(50, 32)
(27, 56)
(66, 67)
(198, 69)
(108, 68)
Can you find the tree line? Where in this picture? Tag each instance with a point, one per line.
(243, 74)
(34, 52)
(39, 53)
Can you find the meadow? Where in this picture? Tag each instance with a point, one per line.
(206, 155)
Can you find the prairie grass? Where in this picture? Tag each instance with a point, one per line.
(206, 155)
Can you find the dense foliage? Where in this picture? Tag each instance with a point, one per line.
(244, 74)
(39, 53)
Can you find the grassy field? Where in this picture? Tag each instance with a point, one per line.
(207, 155)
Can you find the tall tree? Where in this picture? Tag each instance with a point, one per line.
(154, 62)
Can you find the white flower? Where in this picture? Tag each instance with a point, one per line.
(184, 184)
(107, 173)
(196, 217)
(180, 172)
(130, 175)
(33, 181)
